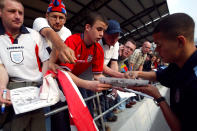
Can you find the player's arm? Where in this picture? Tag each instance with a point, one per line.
(170, 117)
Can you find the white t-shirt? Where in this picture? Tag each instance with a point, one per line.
(40, 23)
(22, 57)
(110, 52)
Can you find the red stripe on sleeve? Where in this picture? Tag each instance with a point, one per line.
(37, 57)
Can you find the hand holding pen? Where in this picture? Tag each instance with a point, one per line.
(3, 104)
(4, 98)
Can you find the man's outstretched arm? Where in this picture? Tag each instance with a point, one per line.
(65, 54)
(90, 85)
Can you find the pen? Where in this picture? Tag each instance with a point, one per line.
(4, 97)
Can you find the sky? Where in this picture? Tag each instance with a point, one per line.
(185, 6)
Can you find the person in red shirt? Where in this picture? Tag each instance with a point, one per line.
(88, 53)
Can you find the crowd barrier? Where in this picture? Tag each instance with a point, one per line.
(146, 116)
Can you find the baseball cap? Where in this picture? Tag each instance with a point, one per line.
(113, 27)
(57, 6)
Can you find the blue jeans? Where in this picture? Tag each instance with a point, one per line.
(122, 106)
(106, 103)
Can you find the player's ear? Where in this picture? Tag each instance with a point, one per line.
(181, 41)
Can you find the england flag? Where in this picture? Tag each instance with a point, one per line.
(79, 113)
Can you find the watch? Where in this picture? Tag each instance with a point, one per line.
(158, 100)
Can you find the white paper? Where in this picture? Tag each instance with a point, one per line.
(139, 93)
(30, 98)
(27, 99)
(125, 94)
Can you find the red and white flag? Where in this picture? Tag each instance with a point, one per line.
(79, 112)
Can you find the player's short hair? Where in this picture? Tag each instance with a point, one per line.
(176, 24)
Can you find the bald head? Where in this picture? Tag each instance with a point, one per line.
(146, 47)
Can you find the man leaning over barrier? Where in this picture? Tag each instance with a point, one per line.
(53, 29)
(21, 55)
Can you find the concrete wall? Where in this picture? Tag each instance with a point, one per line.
(144, 116)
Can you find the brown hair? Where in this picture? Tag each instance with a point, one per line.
(132, 41)
(92, 17)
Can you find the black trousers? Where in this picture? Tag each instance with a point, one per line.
(60, 121)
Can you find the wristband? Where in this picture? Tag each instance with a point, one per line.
(158, 100)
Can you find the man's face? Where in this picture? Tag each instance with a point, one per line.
(146, 47)
(167, 49)
(96, 31)
(56, 20)
(128, 49)
(12, 15)
(111, 39)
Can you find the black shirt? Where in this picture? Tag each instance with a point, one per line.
(183, 91)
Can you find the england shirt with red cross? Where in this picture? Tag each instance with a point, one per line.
(86, 56)
(23, 55)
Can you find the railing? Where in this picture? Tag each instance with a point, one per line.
(66, 107)
(100, 113)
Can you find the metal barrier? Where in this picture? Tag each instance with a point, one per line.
(99, 116)
(110, 109)
(66, 107)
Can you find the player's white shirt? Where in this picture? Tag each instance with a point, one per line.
(110, 52)
(21, 59)
(40, 23)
